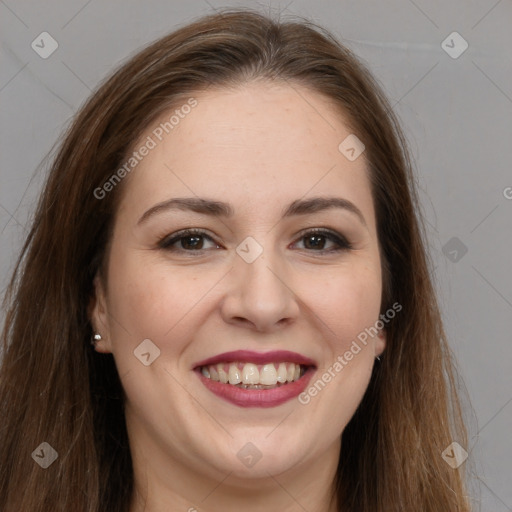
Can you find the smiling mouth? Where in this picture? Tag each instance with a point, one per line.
(254, 376)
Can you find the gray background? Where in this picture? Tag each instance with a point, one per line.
(456, 113)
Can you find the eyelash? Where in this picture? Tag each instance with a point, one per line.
(167, 242)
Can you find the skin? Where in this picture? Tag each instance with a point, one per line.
(259, 147)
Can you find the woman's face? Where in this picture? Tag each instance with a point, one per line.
(257, 296)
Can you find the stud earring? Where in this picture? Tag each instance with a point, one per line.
(95, 338)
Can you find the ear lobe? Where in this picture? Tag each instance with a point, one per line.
(380, 342)
(98, 315)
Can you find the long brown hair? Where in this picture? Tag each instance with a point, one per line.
(55, 388)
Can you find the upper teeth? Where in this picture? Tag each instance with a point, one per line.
(248, 373)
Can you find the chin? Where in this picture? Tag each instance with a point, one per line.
(256, 456)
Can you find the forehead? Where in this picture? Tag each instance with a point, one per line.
(261, 142)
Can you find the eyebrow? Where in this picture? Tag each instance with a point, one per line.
(221, 209)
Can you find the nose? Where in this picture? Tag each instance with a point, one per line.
(259, 295)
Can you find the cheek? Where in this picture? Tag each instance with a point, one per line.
(140, 301)
(347, 300)
(349, 308)
(156, 301)
(162, 302)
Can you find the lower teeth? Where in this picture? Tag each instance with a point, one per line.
(260, 386)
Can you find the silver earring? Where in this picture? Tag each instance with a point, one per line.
(95, 338)
(378, 358)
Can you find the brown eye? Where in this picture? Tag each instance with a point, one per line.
(186, 241)
(193, 240)
(316, 240)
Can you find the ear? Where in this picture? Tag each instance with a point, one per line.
(380, 342)
(99, 317)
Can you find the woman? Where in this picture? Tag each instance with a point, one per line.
(232, 220)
